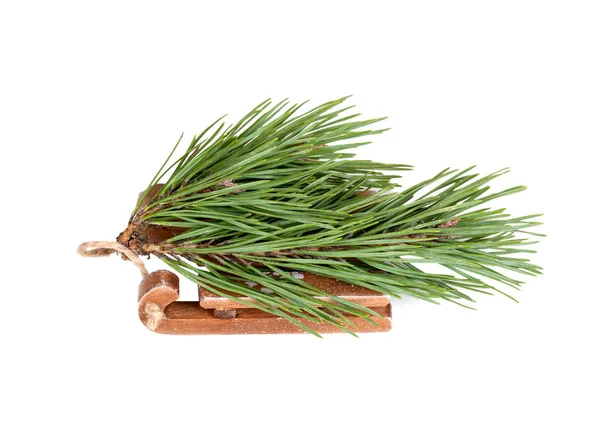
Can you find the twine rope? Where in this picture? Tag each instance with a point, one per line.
(95, 249)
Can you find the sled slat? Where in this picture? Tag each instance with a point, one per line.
(356, 294)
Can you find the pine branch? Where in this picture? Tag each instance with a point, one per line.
(248, 204)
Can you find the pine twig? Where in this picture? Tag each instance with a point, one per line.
(277, 192)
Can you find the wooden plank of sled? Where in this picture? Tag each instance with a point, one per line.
(160, 312)
(359, 295)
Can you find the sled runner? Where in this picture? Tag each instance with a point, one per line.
(161, 312)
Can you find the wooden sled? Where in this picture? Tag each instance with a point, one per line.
(160, 311)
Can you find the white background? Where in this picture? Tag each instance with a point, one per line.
(94, 94)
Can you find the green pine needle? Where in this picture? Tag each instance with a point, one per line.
(273, 194)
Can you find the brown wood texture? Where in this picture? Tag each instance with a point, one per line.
(356, 294)
(160, 312)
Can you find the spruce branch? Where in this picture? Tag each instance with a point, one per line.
(245, 205)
